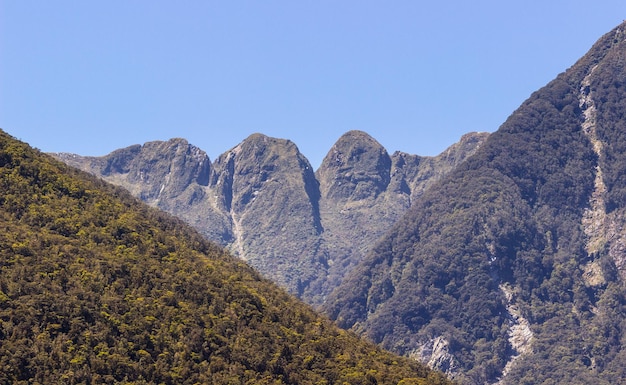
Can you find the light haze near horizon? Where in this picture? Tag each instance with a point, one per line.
(91, 77)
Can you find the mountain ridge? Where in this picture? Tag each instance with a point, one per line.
(263, 200)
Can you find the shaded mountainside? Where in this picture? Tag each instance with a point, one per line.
(96, 287)
(511, 269)
(263, 201)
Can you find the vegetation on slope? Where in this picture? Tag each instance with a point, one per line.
(98, 288)
(512, 216)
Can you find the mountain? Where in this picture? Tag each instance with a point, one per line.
(264, 202)
(364, 191)
(96, 287)
(511, 268)
(270, 196)
(171, 175)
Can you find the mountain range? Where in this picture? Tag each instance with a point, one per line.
(303, 229)
(502, 262)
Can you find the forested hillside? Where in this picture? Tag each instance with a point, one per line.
(511, 269)
(96, 287)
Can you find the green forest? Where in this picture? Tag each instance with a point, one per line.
(97, 288)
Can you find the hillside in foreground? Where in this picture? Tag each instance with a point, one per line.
(96, 287)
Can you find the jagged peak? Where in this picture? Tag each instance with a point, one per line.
(468, 142)
(470, 139)
(265, 149)
(266, 139)
(256, 139)
(356, 136)
(348, 150)
(157, 146)
(473, 136)
(174, 143)
(176, 140)
(257, 136)
(357, 166)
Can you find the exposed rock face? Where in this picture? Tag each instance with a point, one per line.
(436, 354)
(356, 203)
(270, 194)
(604, 230)
(261, 199)
(520, 334)
(356, 168)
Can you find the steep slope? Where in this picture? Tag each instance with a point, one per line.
(511, 269)
(262, 200)
(364, 191)
(354, 178)
(271, 197)
(96, 287)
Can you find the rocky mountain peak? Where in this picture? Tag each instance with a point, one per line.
(153, 171)
(261, 162)
(266, 150)
(119, 160)
(271, 197)
(182, 159)
(357, 167)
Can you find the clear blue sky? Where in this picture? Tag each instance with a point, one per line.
(92, 76)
